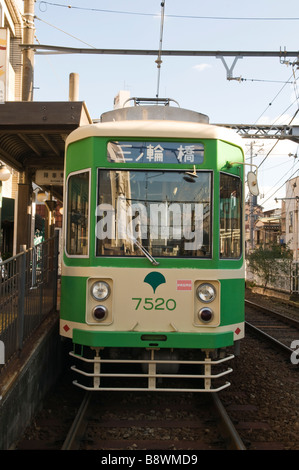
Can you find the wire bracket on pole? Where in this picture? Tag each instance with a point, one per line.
(229, 70)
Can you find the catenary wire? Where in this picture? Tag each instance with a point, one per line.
(62, 31)
(276, 96)
(270, 197)
(124, 12)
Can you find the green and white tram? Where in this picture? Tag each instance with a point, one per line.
(152, 285)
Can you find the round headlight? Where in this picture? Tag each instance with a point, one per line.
(206, 293)
(206, 315)
(100, 312)
(100, 290)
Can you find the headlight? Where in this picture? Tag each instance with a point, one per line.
(100, 313)
(206, 315)
(206, 293)
(100, 290)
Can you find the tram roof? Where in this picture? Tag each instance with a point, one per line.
(155, 129)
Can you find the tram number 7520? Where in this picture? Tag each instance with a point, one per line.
(154, 304)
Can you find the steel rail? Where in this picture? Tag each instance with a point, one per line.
(280, 316)
(270, 338)
(258, 331)
(234, 440)
(75, 430)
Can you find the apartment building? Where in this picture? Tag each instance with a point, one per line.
(11, 35)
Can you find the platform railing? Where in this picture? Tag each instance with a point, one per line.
(28, 293)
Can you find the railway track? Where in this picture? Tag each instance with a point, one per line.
(279, 329)
(262, 400)
(177, 422)
(159, 424)
(139, 422)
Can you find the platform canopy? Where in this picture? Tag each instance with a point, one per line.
(32, 135)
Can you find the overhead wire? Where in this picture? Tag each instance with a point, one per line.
(285, 174)
(295, 163)
(276, 96)
(285, 180)
(62, 31)
(283, 184)
(295, 86)
(296, 112)
(261, 80)
(159, 61)
(292, 119)
(124, 12)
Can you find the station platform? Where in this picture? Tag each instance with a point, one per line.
(28, 376)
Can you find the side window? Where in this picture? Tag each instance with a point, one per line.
(77, 226)
(230, 216)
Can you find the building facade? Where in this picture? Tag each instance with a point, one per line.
(11, 36)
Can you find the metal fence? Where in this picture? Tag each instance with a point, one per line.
(28, 293)
(295, 277)
(287, 283)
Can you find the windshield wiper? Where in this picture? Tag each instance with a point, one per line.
(141, 247)
(145, 252)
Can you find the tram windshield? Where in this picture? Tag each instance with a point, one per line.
(161, 213)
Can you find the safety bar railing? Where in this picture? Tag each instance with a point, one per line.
(28, 293)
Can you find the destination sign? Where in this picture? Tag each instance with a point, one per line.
(155, 152)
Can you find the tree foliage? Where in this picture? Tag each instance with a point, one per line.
(270, 263)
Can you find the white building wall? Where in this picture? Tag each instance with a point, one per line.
(11, 12)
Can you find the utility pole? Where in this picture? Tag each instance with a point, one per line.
(251, 216)
(252, 203)
(24, 200)
(28, 53)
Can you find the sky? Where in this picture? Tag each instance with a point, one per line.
(261, 95)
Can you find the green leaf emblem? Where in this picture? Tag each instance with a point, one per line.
(154, 279)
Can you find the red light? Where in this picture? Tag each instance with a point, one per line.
(100, 312)
(206, 315)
